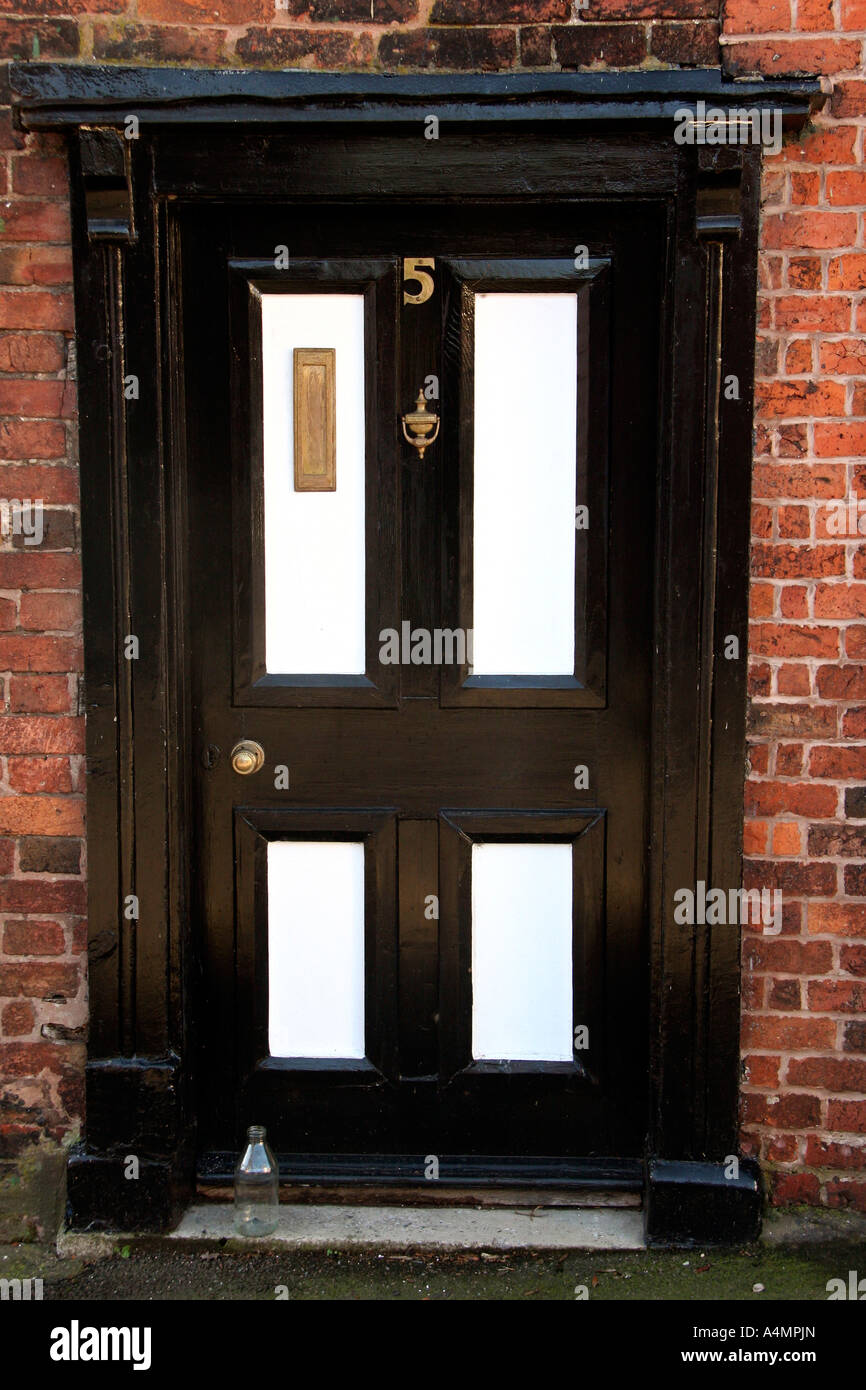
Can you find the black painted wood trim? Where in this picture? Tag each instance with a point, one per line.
(48, 95)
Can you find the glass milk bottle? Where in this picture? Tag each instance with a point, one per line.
(257, 1187)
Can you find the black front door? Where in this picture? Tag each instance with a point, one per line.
(421, 674)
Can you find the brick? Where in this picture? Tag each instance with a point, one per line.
(787, 837)
(855, 802)
(50, 38)
(39, 694)
(46, 177)
(762, 520)
(794, 601)
(824, 312)
(837, 919)
(827, 1073)
(855, 642)
(761, 1070)
(27, 308)
(7, 857)
(796, 880)
(536, 47)
(837, 841)
(757, 16)
(49, 855)
(784, 995)
(828, 145)
(791, 57)
(843, 358)
(847, 1116)
(651, 9)
(848, 99)
(31, 352)
(794, 679)
(34, 221)
(846, 1195)
(798, 357)
(815, 16)
(758, 758)
(154, 42)
(855, 880)
(792, 721)
(35, 265)
(832, 440)
(482, 11)
(800, 480)
(804, 273)
(852, 959)
(829, 1154)
(31, 398)
(28, 570)
(841, 682)
(804, 230)
(17, 1020)
(755, 837)
(29, 938)
(776, 399)
(780, 957)
(838, 762)
(39, 774)
(789, 763)
(19, 734)
(795, 1188)
(805, 187)
(791, 441)
(847, 272)
(283, 47)
(53, 483)
(837, 996)
(793, 798)
(41, 815)
(791, 639)
(780, 1148)
(201, 11)
(377, 11)
(772, 1032)
(687, 43)
(50, 612)
(782, 1111)
(760, 680)
(33, 439)
(613, 45)
(39, 654)
(36, 980)
(853, 14)
(762, 601)
(854, 1037)
(846, 187)
(854, 723)
(40, 895)
(839, 601)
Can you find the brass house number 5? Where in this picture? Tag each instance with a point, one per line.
(412, 271)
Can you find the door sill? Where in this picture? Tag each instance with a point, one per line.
(410, 1230)
(481, 1198)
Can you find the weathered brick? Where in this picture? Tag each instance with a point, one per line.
(613, 45)
(33, 938)
(470, 49)
(49, 855)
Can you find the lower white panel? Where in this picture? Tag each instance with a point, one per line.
(316, 949)
(522, 952)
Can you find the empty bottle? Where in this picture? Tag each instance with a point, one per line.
(257, 1187)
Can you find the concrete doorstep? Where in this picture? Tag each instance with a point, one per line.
(394, 1229)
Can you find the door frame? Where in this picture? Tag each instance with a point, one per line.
(204, 135)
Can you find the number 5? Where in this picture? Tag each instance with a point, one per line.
(411, 272)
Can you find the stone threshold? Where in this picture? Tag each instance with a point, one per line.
(387, 1228)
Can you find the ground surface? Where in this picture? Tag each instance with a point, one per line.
(166, 1274)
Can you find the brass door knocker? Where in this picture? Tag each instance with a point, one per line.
(420, 422)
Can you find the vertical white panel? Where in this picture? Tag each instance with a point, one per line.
(314, 541)
(315, 948)
(525, 481)
(522, 952)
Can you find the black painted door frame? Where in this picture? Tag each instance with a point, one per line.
(200, 135)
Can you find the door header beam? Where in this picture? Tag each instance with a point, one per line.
(50, 96)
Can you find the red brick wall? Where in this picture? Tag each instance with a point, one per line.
(804, 1093)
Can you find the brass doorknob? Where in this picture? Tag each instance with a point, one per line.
(247, 757)
(420, 422)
